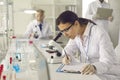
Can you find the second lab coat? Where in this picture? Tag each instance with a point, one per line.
(92, 9)
(33, 27)
(97, 46)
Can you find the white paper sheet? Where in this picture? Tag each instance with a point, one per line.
(76, 67)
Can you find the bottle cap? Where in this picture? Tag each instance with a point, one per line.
(10, 60)
(30, 41)
(4, 77)
(13, 37)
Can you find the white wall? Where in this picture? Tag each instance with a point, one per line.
(85, 4)
(114, 26)
(21, 19)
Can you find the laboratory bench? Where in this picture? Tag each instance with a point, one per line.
(31, 62)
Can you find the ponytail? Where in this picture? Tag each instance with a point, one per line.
(84, 21)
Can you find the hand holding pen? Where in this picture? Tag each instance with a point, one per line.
(66, 59)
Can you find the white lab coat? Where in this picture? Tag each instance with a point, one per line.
(96, 48)
(33, 27)
(92, 9)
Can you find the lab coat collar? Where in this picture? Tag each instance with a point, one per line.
(87, 30)
(39, 22)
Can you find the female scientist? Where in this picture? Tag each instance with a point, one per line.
(92, 41)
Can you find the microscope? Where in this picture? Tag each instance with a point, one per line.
(55, 50)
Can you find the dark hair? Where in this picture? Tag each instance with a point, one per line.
(71, 17)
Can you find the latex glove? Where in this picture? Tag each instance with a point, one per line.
(110, 18)
(88, 69)
(66, 60)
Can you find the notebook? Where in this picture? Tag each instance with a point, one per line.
(72, 68)
(103, 13)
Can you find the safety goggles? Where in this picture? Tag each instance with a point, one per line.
(67, 29)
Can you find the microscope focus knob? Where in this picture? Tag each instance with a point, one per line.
(58, 53)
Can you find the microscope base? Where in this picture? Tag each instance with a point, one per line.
(55, 60)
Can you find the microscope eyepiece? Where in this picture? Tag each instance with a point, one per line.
(57, 37)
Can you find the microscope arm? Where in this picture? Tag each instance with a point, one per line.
(56, 45)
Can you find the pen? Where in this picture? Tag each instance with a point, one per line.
(66, 54)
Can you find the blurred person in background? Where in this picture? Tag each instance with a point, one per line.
(39, 28)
